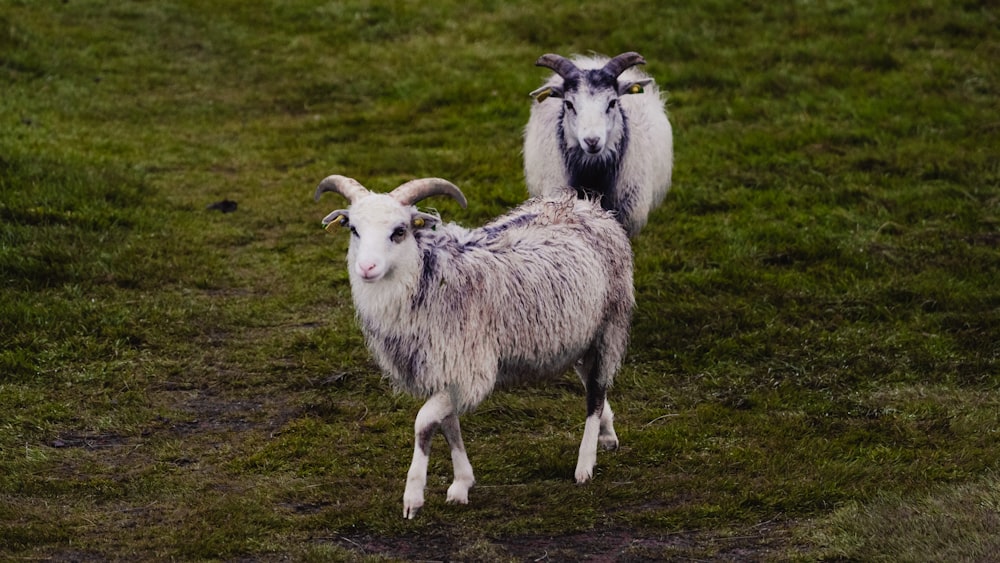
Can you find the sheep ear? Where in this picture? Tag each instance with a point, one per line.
(423, 221)
(545, 92)
(338, 217)
(636, 87)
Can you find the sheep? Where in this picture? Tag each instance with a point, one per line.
(450, 313)
(599, 125)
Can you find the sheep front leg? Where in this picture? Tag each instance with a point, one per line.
(458, 492)
(429, 419)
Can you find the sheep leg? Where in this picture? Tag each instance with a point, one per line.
(429, 419)
(585, 368)
(591, 434)
(598, 408)
(607, 438)
(458, 492)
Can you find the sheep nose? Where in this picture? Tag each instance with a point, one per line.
(593, 144)
(366, 269)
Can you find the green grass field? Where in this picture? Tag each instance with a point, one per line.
(815, 361)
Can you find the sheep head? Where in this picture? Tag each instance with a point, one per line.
(383, 225)
(591, 117)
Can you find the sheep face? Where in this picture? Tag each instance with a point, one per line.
(382, 238)
(591, 120)
(382, 226)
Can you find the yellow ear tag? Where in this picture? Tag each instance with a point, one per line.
(540, 97)
(418, 222)
(339, 220)
(635, 89)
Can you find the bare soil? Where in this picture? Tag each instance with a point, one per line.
(761, 543)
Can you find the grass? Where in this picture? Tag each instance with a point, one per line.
(814, 365)
(955, 523)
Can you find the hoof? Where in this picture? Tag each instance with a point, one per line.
(412, 505)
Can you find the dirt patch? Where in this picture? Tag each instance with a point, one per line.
(763, 542)
(205, 408)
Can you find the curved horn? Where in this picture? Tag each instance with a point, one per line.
(416, 190)
(563, 66)
(347, 187)
(624, 61)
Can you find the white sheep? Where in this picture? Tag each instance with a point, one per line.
(449, 313)
(599, 125)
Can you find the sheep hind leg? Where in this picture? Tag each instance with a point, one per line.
(429, 419)
(599, 428)
(458, 492)
(591, 433)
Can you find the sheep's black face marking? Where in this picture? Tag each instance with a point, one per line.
(569, 86)
(597, 80)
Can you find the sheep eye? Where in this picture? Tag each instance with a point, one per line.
(568, 105)
(612, 104)
(354, 231)
(398, 234)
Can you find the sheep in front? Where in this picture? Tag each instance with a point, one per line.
(599, 125)
(450, 313)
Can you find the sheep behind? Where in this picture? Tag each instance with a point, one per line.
(599, 125)
(450, 313)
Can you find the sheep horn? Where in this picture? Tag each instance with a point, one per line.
(563, 66)
(624, 61)
(347, 187)
(416, 190)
